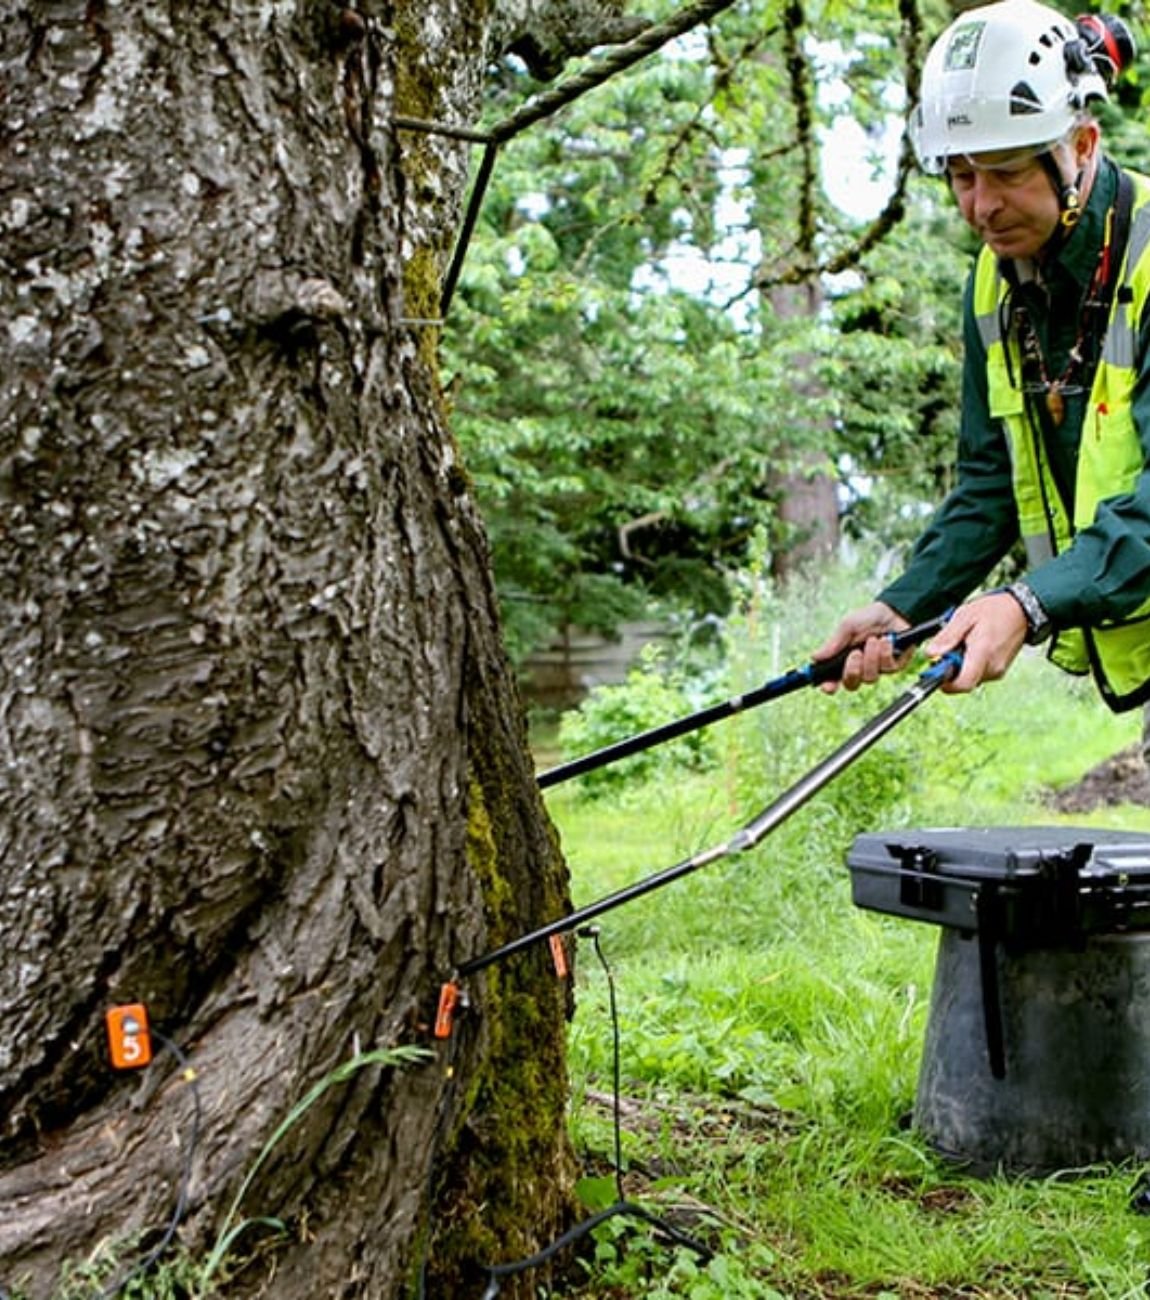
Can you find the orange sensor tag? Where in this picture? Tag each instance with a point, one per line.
(559, 956)
(445, 1016)
(129, 1041)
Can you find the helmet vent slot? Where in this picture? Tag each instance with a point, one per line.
(1023, 100)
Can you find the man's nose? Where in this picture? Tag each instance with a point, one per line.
(986, 193)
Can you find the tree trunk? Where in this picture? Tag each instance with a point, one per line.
(262, 762)
(807, 523)
(807, 504)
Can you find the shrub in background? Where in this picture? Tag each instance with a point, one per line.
(660, 688)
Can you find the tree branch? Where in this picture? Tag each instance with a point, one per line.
(546, 37)
(802, 100)
(895, 207)
(651, 39)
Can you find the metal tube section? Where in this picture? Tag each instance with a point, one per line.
(584, 914)
(794, 798)
(746, 838)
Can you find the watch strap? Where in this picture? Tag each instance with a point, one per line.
(1038, 624)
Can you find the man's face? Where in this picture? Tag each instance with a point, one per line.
(1008, 199)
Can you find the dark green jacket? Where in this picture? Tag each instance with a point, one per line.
(1105, 573)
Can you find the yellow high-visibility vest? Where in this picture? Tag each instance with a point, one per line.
(1110, 456)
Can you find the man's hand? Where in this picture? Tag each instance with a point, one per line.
(991, 630)
(866, 628)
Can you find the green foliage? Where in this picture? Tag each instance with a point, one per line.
(895, 369)
(108, 1272)
(768, 634)
(656, 691)
(577, 398)
(626, 400)
(630, 1265)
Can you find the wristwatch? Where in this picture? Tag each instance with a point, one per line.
(1038, 624)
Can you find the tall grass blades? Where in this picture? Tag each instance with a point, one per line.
(232, 1227)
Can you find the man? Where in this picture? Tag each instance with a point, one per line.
(1055, 429)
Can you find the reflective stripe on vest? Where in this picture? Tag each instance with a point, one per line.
(1110, 456)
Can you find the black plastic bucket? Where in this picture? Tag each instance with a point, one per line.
(1075, 1044)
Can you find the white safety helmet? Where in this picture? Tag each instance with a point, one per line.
(1010, 75)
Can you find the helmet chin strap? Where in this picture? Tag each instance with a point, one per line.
(1069, 199)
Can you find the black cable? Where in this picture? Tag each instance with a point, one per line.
(185, 1175)
(592, 932)
(573, 1234)
(579, 1230)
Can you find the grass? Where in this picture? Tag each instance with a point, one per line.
(771, 1032)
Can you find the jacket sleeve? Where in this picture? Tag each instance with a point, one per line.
(977, 523)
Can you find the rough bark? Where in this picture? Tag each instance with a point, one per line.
(262, 763)
(546, 33)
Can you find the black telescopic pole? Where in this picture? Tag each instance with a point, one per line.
(749, 835)
(812, 674)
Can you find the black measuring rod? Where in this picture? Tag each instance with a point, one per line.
(812, 674)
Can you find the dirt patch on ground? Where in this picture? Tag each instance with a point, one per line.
(1122, 778)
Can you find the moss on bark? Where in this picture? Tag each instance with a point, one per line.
(509, 1169)
(504, 1169)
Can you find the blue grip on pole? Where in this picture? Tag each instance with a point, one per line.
(944, 668)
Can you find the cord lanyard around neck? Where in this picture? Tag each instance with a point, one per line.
(1082, 360)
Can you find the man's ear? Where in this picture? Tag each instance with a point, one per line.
(1085, 143)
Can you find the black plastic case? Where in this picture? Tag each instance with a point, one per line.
(1020, 884)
